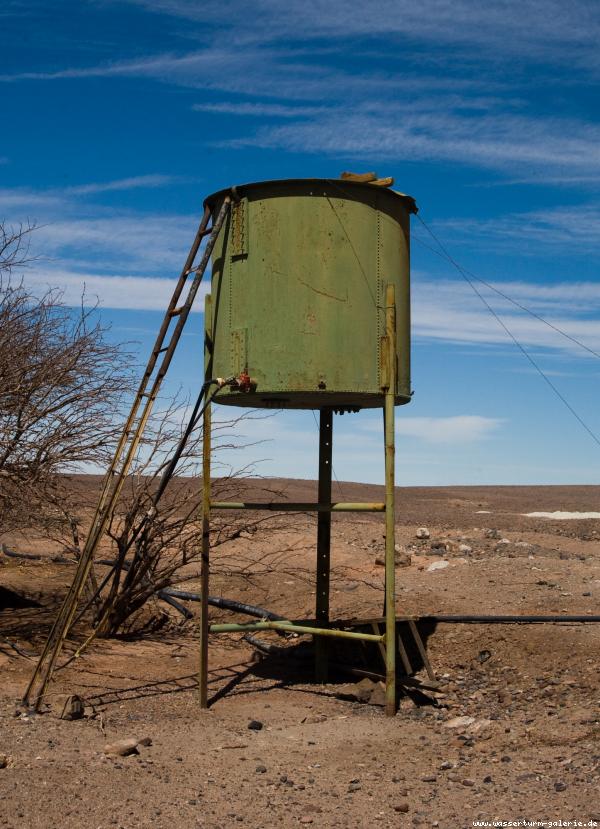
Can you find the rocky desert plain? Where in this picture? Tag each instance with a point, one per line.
(509, 730)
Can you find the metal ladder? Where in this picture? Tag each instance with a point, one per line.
(154, 374)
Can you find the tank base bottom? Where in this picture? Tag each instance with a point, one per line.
(339, 401)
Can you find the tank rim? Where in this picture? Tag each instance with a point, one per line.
(343, 183)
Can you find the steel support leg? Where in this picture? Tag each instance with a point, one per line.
(205, 564)
(323, 542)
(390, 451)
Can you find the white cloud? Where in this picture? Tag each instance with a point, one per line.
(99, 238)
(458, 429)
(27, 200)
(437, 430)
(140, 293)
(152, 244)
(449, 310)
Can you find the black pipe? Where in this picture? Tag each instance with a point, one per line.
(266, 647)
(55, 559)
(506, 620)
(175, 604)
(227, 604)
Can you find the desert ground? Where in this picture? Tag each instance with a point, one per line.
(509, 731)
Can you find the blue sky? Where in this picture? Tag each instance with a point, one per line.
(119, 117)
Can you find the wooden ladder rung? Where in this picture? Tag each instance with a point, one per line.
(404, 656)
(422, 651)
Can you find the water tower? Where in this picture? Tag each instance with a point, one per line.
(310, 309)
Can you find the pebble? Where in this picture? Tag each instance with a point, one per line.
(459, 722)
(437, 565)
(261, 769)
(468, 782)
(559, 786)
(402, 807)
(401, 558)
(422, 532)
(429, 778)
(306, 819)
(122, 748)
(3, 761)
(255, 725)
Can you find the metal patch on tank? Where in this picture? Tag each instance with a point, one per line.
(239, 228)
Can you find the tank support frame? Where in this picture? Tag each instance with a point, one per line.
(321, 630)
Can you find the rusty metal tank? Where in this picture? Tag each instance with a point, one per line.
(298, 292)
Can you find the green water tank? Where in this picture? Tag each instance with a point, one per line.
(298, 292)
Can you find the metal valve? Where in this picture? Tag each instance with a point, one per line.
(243, 382)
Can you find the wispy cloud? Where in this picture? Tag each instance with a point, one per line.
(259, 109)
(50, 198)
(532, 31)
(414, 96)
(254, 69)
(500, 140)
(570, 227)
(131, 183)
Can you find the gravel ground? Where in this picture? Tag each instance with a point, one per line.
(511, 733)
